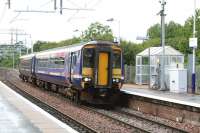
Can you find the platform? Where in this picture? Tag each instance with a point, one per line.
(18, 115)
(178, 98)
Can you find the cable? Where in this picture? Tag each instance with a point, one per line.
(12, 20)
(70, 18)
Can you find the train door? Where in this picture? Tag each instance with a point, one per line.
(103, 63)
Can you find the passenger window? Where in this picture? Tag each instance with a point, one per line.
(56, 62)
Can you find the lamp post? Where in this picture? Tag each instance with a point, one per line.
(112, 20)
(194, 45)
(162, 14)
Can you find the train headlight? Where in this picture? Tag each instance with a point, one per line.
(116, 80)
(87, 79)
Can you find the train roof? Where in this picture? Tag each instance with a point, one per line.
(80, 45)
(70, 48)
(29, 56)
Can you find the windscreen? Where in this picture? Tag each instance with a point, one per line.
(88, 57)
(117, 59)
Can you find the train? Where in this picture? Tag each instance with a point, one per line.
(91, 71)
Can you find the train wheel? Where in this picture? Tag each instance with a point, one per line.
(23, 79)
(38, 83)
(57, 87)
(77, 97)
(34, 81)
(43, 85)
(47, 86)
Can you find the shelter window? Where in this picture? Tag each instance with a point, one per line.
(88, 57)
(145, 60)
(174, 59)
(179, 59)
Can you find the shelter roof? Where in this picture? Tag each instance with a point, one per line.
(157, 51)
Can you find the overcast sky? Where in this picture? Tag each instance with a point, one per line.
(135, 17)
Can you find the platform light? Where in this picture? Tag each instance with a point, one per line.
(112, 20)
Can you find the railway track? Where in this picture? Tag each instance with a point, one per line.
(147, 124)
(121, 122)
(140, 123)
(112, 126)
(80, 127)
(125, 119)
(112, 115)
(68, 119)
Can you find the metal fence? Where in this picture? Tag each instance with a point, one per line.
(130, 76)
(198, 79)
(189, 74)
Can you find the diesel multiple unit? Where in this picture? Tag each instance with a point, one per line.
(90, 71)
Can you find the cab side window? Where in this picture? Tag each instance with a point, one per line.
(75, 57)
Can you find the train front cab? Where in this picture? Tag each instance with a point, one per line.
(102, 74)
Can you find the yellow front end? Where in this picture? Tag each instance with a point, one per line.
(87, 77)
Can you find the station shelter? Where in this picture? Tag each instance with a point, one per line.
(148, 71)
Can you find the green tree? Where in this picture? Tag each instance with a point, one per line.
(97, 31)
(42, 45)
(154, 31)
(130, 50)
(176, 35)
(37, 45)
(174, 30)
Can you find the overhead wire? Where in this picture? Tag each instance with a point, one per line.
(72, 16)
(77, 11)
(12, 20)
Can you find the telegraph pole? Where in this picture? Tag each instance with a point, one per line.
(162, 14)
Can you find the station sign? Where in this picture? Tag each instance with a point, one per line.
(193, 42)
